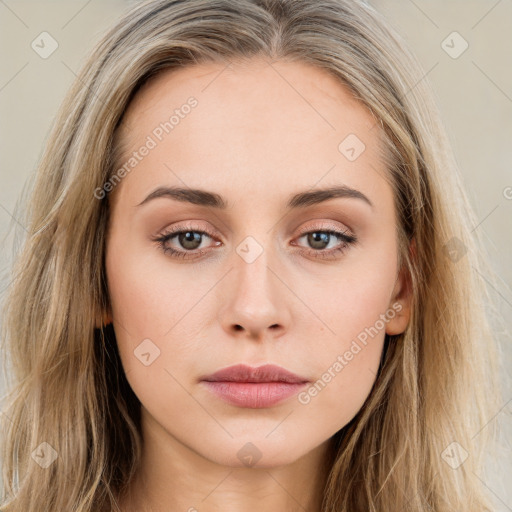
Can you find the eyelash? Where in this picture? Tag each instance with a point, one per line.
(346, 241)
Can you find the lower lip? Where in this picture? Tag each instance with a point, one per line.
(254, 395)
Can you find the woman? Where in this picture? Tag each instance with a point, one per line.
(250, 281)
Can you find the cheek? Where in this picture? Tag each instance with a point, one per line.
(354, 307)
(148, 299)
(351, 305)
(150, 306)
(153, 299)
(351, 298)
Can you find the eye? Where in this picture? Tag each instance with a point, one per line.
(320, 239)
(188, 238)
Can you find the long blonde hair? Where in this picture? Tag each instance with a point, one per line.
(436, 386)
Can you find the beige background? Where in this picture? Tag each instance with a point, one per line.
(474, 93)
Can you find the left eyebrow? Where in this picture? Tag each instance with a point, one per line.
(312, 197)
(299, 200)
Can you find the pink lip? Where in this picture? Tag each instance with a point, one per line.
(254, 388)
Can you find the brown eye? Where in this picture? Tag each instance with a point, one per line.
(183, 243)
(319, 240)
(189, 239)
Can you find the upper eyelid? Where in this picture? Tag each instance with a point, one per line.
(170, 232)
(328, 227)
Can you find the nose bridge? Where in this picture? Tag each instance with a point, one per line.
(253, 288)
(254, 300)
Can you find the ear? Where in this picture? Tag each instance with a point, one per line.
(401, 299)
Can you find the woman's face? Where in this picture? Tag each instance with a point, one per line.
(268, 269)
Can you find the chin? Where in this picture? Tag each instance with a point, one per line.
(258, 452)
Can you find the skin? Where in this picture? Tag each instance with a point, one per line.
(261, 132)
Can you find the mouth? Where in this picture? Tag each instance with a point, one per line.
(255, 388)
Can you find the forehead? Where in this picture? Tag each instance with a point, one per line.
(245, 84)
(254, 122)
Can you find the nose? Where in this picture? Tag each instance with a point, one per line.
(254, 300)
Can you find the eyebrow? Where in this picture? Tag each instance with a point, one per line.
(211, 199)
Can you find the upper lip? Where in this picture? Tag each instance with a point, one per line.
(245, 373)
